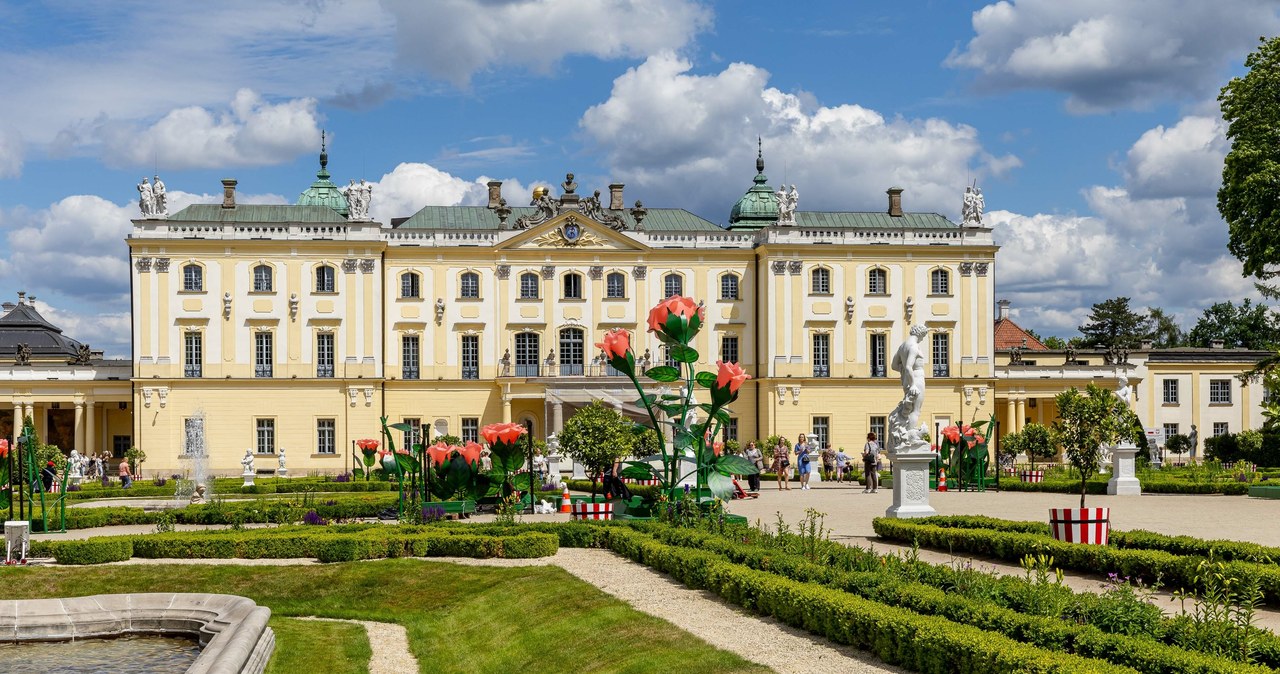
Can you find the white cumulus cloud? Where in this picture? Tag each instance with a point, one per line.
(1106, 55)
(412, 185)
(690, 139)
(1182, 160)
(455, 39)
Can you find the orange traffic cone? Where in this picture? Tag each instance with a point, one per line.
(942, 479)
(565, 506)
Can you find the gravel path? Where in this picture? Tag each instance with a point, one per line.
(389, 643)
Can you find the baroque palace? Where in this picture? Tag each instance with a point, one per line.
(297, 327)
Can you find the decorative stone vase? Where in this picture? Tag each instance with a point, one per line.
(1080, 525)
(1031, 476)
(592, 511)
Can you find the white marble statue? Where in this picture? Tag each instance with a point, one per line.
(197, 496)
(247, 462)
(146, 198)
(75, 464)
(904, 423)
(787, 205)
(282, 470)
(358, 198)
(973, 206)
(159, 199)
(1123, 392)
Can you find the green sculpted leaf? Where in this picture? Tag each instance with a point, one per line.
(402, 427)
(639, 472)
(720, 485)
(663, 373)
(684, 354)
(734, 465)
(705, 379)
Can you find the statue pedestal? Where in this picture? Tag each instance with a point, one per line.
(248, 478)
(911, 483)
(282, 472)
(17, 538)
(579, 473)
(1123, 475)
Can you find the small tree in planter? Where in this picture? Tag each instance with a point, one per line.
(1178, 444)
(597, 437)
(1085, 424)
(1037, 442)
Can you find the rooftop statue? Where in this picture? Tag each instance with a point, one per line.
(972, 207)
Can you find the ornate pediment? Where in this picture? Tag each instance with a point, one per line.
(573, 230)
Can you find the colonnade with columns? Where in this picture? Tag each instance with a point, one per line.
(93, 419)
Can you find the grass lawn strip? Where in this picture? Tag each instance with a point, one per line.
(389, 643)
(342, 648)
(459, 619)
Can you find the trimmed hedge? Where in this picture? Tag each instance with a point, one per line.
(895, 635)
(91, 551)
(228, 512)
(1148, 487)
(1175, 571)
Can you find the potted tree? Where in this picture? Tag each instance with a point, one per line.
(1086, 423)
(1037, 443)
(596, 437)
(1177, 444)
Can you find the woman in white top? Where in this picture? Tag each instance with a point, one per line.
(754, 455)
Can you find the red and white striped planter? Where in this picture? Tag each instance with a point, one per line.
(1031, 476)
(592, 511)
(643, 483)
(1080, 525)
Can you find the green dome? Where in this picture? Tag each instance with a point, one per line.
(323, 192)
(759, 206)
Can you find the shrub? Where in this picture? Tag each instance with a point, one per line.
(531, 545)
(91, 551)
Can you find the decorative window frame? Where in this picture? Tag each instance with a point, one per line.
(951, 291)
(813, 291)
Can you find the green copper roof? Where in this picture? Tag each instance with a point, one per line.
(480, 217)
(846, 220)
(323, 192)
(759, 206)
(257, 213)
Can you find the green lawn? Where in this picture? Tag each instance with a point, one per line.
(459, 618)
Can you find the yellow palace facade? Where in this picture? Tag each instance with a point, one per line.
(296, 328)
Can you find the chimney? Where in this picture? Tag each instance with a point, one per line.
(895, 201)
(22, 296)
(7, 307)
(1004, 309)
(615, 197)
(1216, 344)
(1146, 344)
(228, 192)
(495, 193)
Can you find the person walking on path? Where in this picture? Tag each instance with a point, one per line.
(126, 477)
(782, 464)
(828, 462)
(804, 460)
(754, 455)
(870, 459)
(842, 464)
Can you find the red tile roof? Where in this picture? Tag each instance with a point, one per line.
(1009, 335)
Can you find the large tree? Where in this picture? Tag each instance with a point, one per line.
(1248, 326)
(1113, 324)
(1249, 199)
(1163, 330)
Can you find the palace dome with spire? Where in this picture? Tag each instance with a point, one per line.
(323, 192)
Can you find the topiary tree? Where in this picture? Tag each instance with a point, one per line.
(597, 437)
(1037, 442)
(1177, 444)
(1086, 423)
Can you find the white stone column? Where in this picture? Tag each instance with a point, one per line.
(1022, 413)
(557, 417)
(90, 436)
(79, 427)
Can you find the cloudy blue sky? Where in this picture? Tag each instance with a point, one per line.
(1091, 125)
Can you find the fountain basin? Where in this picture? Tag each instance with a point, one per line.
(231, 630)
(137, 654)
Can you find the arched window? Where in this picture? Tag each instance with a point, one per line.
(529, 286)
(820, 281)
(729, 287)
(939, 282)
(572, 352)
(572, 286)
(262, 278)
(672, 284)
(615, 285)
(325, 278)
(469, 286)
(410, 284)
(193, 278)
(877, 282)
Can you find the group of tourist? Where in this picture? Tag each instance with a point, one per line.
(836, 464)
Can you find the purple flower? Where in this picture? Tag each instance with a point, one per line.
(313, 517)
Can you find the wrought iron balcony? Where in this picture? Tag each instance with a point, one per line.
(324, 371)
(409, 372)
(941, 370)
(878, 371)
(192, 370)
(527, 370)
(571, 370)
(470, 371)
(821, 370)
(262, 370)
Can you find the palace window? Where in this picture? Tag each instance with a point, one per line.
(878, 355)
(470, 429)
(1170, 430)
(571, 352)
(262, 278)
(729, 287)
(469, 286)
(410, 285)
(939, 282)
(264, 354)
(877, 282)
(729, 348)
(409, 357)
(265, 432)
(1219, 391)
(667, 358)
(412, 436)
(193, 354)
(941, 354)
(325, 275)
(324, 354)
(326, 436)
(820, 281)
(1170, 387)
(529, 286)
(876, 425)
(821, 354)
(822, 429)
(615, 286)
(192, 278)
(672, 284)
(573, 286)
(119, 445)
(730, 429)
(527, 354)
(471, 356)
(1219, 428)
